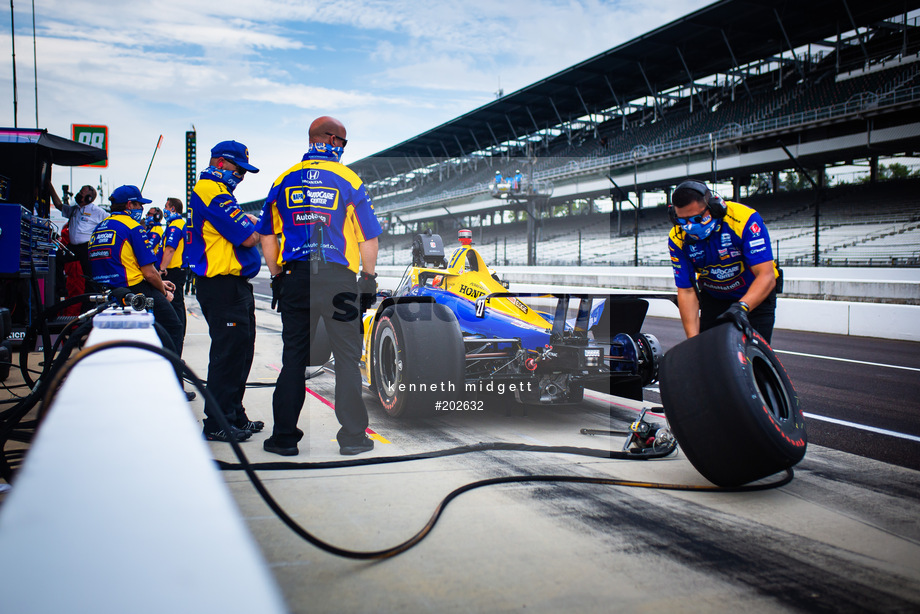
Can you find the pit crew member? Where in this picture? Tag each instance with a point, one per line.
(327, 226)
(722, 261)
(221, 246)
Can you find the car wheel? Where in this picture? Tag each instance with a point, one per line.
(417, 358)
(731, 406)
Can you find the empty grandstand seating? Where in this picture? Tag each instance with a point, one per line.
(859, 225)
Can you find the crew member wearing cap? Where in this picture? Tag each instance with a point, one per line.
(328, 228)
(120, 257)
(221, 247)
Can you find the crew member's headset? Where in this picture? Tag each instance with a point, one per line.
(714, 202)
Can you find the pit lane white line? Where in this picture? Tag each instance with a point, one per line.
(862, 427)
(858, 362)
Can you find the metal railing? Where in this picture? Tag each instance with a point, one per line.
(860, 103)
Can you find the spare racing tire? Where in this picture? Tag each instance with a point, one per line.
(417, 358)
(731, 406)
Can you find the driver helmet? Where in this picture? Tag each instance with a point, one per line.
(465, 236)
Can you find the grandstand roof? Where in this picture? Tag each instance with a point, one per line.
(715, 39)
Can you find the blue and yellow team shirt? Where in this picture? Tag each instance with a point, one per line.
(319, 206)
(175, 238)
(117, 250)
(722, 261)
(155, 240)
(215, 230)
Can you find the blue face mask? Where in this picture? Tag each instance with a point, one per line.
(170, 216)
(150, 220)
(136, 214)
(225, 176)
(698, 232)
(326, 150)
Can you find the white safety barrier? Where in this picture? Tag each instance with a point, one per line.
(119, 506)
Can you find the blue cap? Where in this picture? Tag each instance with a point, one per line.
(235, 152)
(128, 193)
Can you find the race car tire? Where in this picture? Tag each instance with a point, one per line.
(731, 406)
(417, 358)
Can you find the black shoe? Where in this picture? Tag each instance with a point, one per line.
(365, 446)
(269, 446)
(234, 433)
(249, 425)
(190, 395)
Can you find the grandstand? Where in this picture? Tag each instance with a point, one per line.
(809, 87)
(860, 225)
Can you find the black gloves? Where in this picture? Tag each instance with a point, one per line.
(737, 315)
(367, 291)
(277, 284)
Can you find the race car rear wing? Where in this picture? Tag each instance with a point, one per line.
(619, 313)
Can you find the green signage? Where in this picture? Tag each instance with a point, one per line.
(97, 136)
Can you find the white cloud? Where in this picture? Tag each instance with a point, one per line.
(259, 72)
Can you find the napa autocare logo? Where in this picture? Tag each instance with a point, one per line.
(718, 273)
(322, 197)
(102, 237)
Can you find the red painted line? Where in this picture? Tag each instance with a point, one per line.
(323, 400)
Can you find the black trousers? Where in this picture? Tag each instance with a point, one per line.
(761, 318)
(177, 276)
(229, 308)
(163, 313)
(331, 294)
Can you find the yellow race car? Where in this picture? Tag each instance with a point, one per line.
(451, 330)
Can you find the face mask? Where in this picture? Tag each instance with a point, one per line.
(226, 176)
(326, 149)
(698, 232)
(150, 220)
(170, 216)
(136, 214)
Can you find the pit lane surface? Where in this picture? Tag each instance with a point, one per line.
(842, 536)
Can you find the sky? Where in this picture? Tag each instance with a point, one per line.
(259, 71)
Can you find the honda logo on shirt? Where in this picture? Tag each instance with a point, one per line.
(313, 176)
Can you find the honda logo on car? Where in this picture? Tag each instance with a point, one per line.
(471, 292)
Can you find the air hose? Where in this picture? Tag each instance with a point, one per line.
(251, 468)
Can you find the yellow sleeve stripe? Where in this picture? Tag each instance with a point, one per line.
(737, 216)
